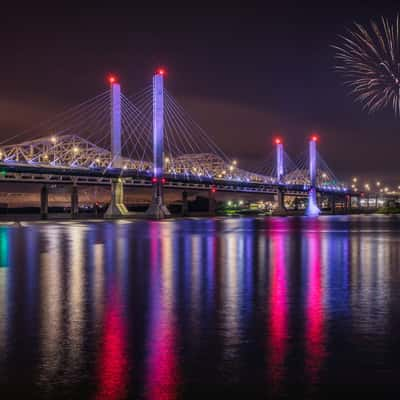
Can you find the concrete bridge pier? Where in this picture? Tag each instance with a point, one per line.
(212, 202)
(357, 201)
(347, 203)
(185, 205)
(333, 204)
(116, 207)
(44, 201)
(74, 201)
(281, 201)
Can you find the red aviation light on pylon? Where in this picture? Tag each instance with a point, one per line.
(112, 79)
(161, 71)
(278, 140)
(314, 137)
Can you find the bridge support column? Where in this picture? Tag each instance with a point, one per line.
(157, 207)
(74, 201)
(312, 207)
(116, 207)
(333, 204)
(280, 197)
(212, 203)
(185, 206)
(347, 203)
(44, 201)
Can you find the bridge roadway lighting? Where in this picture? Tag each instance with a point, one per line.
(355, 180)
(378, 183)
(53, 139)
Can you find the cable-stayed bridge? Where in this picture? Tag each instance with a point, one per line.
(149, 139)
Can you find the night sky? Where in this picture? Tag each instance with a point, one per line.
(244, 74)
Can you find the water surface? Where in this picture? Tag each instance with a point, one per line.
(197, 308)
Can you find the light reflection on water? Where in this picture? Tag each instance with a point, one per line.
(175, 309)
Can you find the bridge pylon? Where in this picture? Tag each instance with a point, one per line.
(279, 160)
(312, 208)
(279, 175)
(157, 208)
(116, 207)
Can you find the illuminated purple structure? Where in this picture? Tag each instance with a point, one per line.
(115, 123)
(312, 208)
(279, 174)
(157, 208)
(117, 206)
(279, 160)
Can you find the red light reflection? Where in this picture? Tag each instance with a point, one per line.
(113, 361)
(278, 321)
(162, 376)
(314, 335)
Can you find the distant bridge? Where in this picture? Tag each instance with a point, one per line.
(149, 140)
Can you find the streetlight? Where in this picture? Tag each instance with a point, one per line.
(378, 184)
(355, 180)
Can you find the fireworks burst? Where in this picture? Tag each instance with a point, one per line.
(369, 59)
